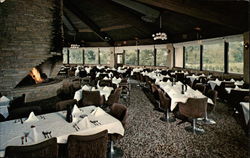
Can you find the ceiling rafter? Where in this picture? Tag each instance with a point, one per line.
(110, 28)
(68, 23)
(96, 29)
(197, 11)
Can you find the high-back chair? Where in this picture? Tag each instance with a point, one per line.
(200, 87)
(115, 97)
(46, 149)
(165, 103)
(91, 98)
(194, 108)
(90, 146)
(120, 112)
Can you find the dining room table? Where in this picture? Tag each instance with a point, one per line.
(179, 94)
(35, 129)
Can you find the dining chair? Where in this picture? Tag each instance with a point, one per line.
(154, 90)
(165, 103)
(115, 97)
(45, 149)
(194, 108)
(62, 105)
(91, 98)
(120, 112)
(88, 146)
(24, 112)
(200, 87)
(17, 102)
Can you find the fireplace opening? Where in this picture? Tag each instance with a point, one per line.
(34, 77)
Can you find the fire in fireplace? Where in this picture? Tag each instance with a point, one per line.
(35, 74)
(34, 77)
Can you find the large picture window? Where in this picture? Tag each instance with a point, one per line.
(235, 57)
(213, 56)
(192, 57)
(131, 57)
(91, 56)
(161, 57)
(146, 57)
(75, 56)
(104, 56)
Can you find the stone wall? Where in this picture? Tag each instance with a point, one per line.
(26, 38)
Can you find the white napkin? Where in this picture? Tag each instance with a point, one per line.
(168, 81)
(216, 79)
(119, 79)
(4, 99)
(105, 78)
(232, 80)
(167, 76)
(32, 118)
(97, 112)
(193, 75)
(78, 95)
(76, 110)
(84, 123)
(202, 74)
(86, 88)
(179, 83)
(236, 87)
(94, 89)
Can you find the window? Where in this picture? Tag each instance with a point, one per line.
(131, 57)
(192, 57)
(235, 57)
(75, 56)
(91, 56)
(161, 57)
(65, 56)
(104, 56)
(146, 57)
(213, 56)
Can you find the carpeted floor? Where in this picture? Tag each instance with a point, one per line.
(147, 136)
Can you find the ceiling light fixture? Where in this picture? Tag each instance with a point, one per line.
(160, 35)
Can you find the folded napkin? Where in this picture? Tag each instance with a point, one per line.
(217, 80)
(86, 88)
(76, 110)
(78, 95)
(202, 74)
(193, 75)
(105, 78)
(4, 99)
(236, 87)
(32, 118)
(179, 83)
(97, 112)
(232, 80)
(94, 89)
(167, 76)
(168, 81)
(119, 78)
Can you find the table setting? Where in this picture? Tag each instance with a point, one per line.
(34, 129)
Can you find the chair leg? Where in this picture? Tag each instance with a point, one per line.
(194, 129)
(167, 117)
(114, 152)
(208, 121)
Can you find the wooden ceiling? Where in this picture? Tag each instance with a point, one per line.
(110, 23)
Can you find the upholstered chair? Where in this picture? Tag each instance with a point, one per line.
(89, 146)
(46, 149)
(120, 112)
(62, 105)
(165, 103)
(115, 97)
(200, 87)
(91, 98)
(194, 108)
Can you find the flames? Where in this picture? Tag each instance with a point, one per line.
(35, 74)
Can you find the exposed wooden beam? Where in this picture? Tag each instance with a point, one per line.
(96, 29)
(68, 23)
(191, 8)
(116, 27)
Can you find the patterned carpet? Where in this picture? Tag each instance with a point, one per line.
(147, 136)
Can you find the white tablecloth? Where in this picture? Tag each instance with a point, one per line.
(11, 132)
(238, 89)
(214, 83)
(174, 92)
(245, 107)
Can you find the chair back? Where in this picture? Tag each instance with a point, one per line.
(17, 102)
(103, 83)
(120, 112)
(46, 149)
(194, 107)
(91, 146)
(200, 87)
(179, 76)
(164, 100)
(92, 98)
(154, 90)
(115, 97)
